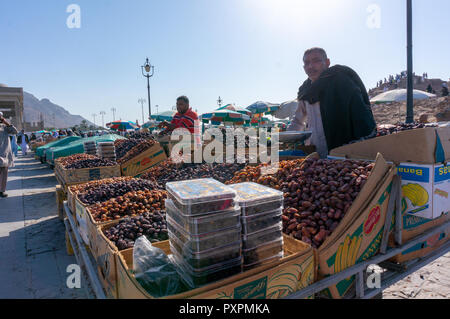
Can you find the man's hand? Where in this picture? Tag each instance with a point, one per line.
(163, 124)
(4, 121)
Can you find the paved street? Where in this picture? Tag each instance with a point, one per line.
(32, 238)
(34, 258)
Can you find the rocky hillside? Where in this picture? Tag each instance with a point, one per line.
(438, 110)
(53, 115)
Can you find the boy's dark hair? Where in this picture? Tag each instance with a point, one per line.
(316, 49)
(183, 98)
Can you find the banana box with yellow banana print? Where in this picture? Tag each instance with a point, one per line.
(425, 189)
(358, 236)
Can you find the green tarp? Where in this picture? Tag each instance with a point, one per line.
(40, 151)
(77, 147)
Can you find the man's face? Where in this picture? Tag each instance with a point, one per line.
(182, 106)
(315, 64)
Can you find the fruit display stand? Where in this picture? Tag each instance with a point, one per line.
(393, 272)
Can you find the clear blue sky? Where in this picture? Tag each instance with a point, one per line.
(242, 50)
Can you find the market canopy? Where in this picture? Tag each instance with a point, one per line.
(225, 116)
(235, 108)
(286, 110)
(399, 95)
(164, 116)
(149, 124)
(263, 107)
(122, 126)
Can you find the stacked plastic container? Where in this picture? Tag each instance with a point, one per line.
(107, 150)
(261, 210)
(90, 148)
(204, 230)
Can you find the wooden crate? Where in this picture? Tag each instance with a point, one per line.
(60, 198)
(151, 157)
(104, 252)
(70, 177)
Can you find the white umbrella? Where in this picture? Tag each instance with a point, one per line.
(286, 110)
(399, 95)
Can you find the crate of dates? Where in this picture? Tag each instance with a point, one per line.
(206, 241)
(200, 196)
(255, 223)
(206, 258)
(263, 236)
(262, 252)
(206, 223)
(255, 199)
(199, 277)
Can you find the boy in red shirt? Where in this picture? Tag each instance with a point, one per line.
(184, 118)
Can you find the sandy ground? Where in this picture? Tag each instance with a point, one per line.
(34, 258)
(429, 282)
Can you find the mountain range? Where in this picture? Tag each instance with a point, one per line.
(53, 114)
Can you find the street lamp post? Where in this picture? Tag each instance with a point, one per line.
(94, 115)
(157, 108)
(219, 101)
(149, 70)
(142, 101)
(114, 113)
(102, 113)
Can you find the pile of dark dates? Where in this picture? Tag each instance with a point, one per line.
(71, 159)
(123, 146)
(151, 225)
(90, 163)
(86, 187)
(400, 127)
(129, 205)
(104, 192)
(139, 148)
(318, 194)
(173, 172)
(140, 135)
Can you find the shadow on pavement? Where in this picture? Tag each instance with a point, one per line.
(35, 261)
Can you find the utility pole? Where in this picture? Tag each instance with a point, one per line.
(157, 108)
(142, 101)
(94, 115)
(114, 113)
(409, 96)
(102, 113)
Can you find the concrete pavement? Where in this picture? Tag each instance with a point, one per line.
(32, 238)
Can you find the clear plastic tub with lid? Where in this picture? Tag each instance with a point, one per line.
(206, 258)
(255, 199)
(263, 262)
(206, 241)
(261, 237)
(200, 277)
(205, 223)
(255, 223)
(200, 196)
(262, 252)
